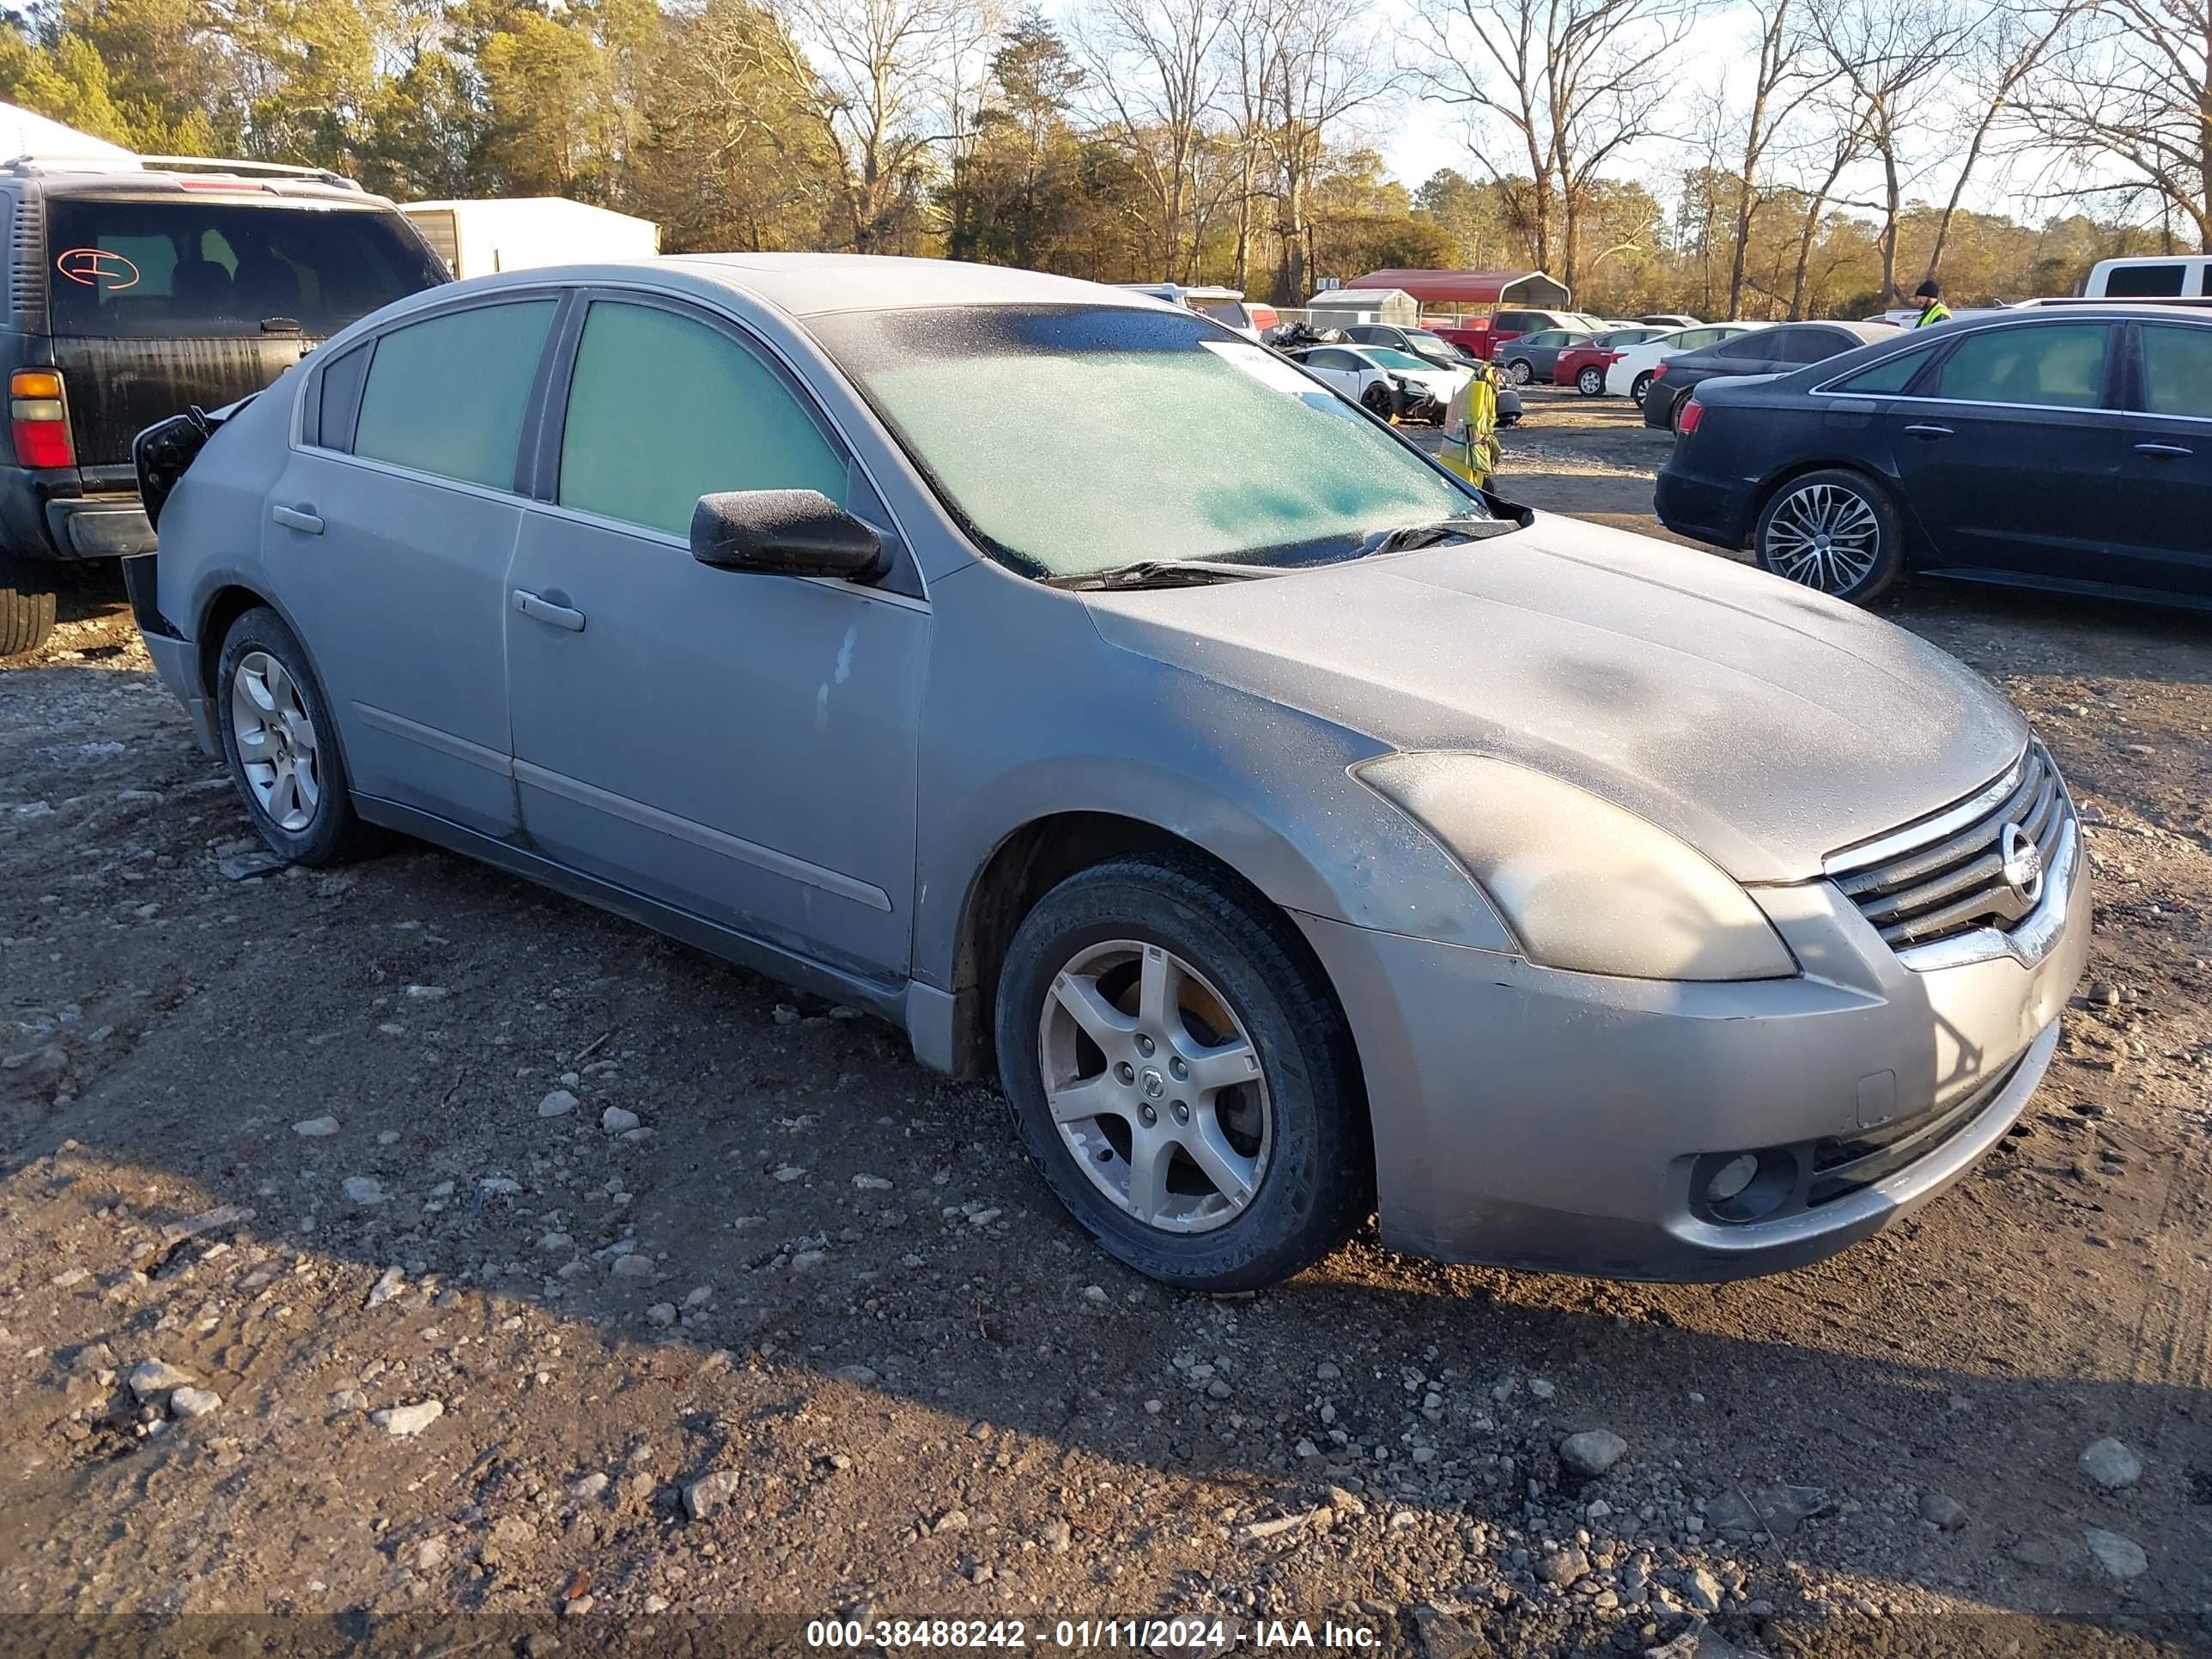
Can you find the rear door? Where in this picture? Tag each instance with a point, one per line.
(390, 533)
(2166, 508)
(157, 302)
(2014, 453)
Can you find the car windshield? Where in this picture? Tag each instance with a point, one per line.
(1075, 439)
(1391, 358)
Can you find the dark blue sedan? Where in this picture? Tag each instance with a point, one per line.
(2065, 447)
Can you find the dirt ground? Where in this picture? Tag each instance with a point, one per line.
(706, 1311)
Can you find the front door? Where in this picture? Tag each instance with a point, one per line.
(2167, 505)
(2012, 453)
(393, 529)
(740, 746)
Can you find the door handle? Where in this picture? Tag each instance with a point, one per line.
(1927, 431)
(2164, 449)
(301, 518)
(530, 604)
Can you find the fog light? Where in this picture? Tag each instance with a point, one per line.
(1731, 1178)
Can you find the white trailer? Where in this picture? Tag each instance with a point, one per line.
(514, 232)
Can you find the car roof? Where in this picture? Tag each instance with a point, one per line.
(811, 284)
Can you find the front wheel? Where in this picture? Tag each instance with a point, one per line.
(1377, 401)
(280, 743)
(1835, 531)
(1181, 1077)
(1590, 382)
(1638, 388)
(26, 606)
(1521, 372)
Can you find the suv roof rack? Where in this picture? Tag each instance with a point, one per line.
(274, 169)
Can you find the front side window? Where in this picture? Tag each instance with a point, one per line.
(193, 267)
(2058, 367)
(448, 395)
(663, 410)
(1337, 360)
(2178, 370)
(1390, 357)
(1059, 435)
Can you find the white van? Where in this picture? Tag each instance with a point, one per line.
(2165, 277)
(515, 233)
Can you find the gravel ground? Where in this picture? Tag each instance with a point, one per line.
(406, 1244)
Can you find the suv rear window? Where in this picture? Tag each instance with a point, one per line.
(191, 268)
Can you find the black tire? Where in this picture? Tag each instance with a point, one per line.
(27, 606)
(1590, 382)
(1318, 1183)
(1773, 548)
(332, 832)
(1675, 411)
(1521, 371)
(1638, 388)
(1379, 400)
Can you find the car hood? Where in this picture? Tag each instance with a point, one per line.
(1761, 722)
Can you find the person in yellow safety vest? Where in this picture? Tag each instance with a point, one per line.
(1933, 310)
(1471, 447)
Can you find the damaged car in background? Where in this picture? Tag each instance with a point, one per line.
(1295, 830)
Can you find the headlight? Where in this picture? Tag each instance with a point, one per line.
(1585, 884)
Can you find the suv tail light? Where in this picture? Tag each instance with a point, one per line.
(40, 416)
(1687, 416)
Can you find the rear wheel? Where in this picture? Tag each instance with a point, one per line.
(281, 743)
(1181, 1077)
(1835, 531)
(1522, 371)
(27, 606)
(1638, 388)
(1590, 382)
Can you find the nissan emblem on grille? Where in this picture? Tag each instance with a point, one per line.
(2022, 867)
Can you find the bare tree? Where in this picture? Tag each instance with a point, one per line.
(2007, 41)
(1155, 76)
(875, 74)
(2133, 88)
(1318, 61)
(1790, 71)
(1573, 80)
(1845, 143)
(1892, 52)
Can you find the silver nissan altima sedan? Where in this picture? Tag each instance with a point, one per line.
(1296, 832)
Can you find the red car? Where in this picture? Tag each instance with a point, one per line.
(1480, 337)
(1583, 366)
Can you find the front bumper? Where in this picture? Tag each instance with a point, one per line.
(1529, 1118)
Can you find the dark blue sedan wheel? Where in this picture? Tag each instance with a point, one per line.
(1835, 531)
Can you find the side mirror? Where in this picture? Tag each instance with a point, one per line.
(784, 532)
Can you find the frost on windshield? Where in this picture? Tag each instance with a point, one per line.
(1078, 439)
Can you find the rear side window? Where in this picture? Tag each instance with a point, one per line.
(338, 398)
(2178, 370)
(191, 267)
(2145, 281)
(1813, 345)
(2056, 367)
(448, 395)
(664, 410)
(1890, 374)
(1751, 348)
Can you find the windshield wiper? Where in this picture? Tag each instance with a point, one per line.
(1408, 536)
(1160, 572)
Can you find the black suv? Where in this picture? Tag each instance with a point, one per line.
(137, 289)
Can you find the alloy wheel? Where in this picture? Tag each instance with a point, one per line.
(1824, 536)
(276, 740)
(1521, 371)
(1155, 1086)
(1590, 383)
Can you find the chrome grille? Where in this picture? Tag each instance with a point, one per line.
(1945, 877)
